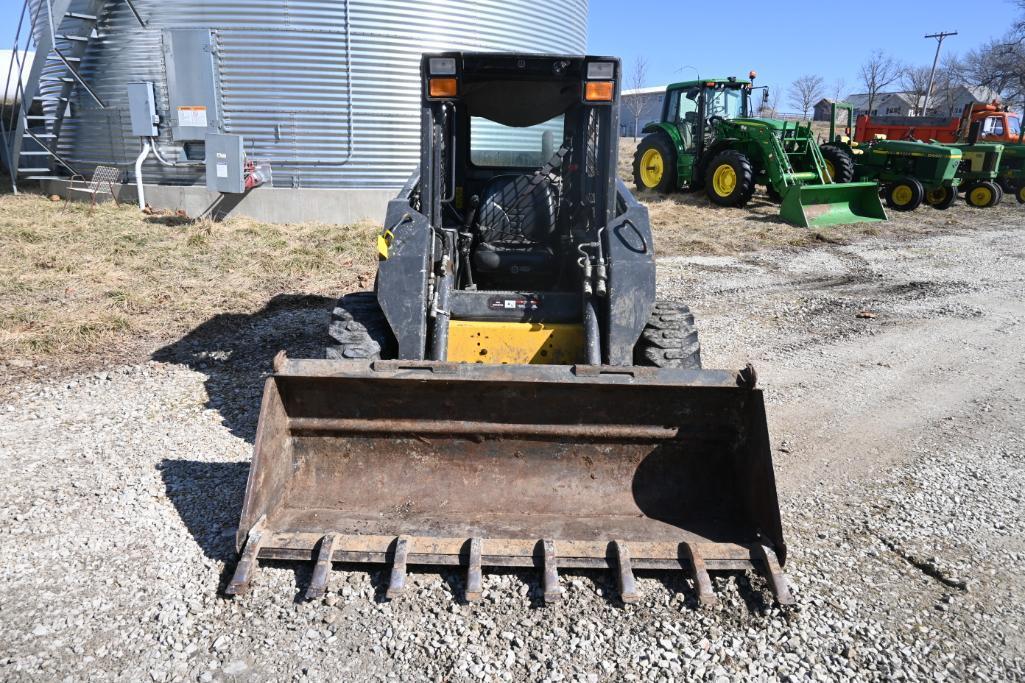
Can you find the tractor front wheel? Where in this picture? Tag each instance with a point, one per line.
(655, 164)
(941, 197)
(905, 194)
(1019, 193)
(730, 179)
(839, 164)
(982, 195)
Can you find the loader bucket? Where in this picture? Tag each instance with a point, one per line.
(427, 463)
(808, 206)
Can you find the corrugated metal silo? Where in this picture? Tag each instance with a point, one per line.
(326, 90)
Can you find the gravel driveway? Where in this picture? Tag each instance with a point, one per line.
(899, 446)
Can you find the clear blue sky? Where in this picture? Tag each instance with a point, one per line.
(784, 40)
(779, 40)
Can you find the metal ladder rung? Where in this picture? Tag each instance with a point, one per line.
(77, 39)
(40, 117)
(57, 79)
(79, 15)
(44, 169)
(41, 98)
(44, 177)
(39, 135)
(34, 153)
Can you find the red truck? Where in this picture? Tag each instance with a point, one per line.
(996, 124)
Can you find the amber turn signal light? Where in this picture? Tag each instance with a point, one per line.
(598, 91)
(442, 87)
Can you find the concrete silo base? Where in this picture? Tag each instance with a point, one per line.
(269, 204)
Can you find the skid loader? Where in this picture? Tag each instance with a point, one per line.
(511, 394)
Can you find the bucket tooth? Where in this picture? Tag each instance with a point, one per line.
(627, 585)
(247, 563)
(318, 584)
(702, 581)
(777, 580)
(397, 583)
(553, 592)
(473, 571)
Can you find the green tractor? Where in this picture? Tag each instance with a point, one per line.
(1012, 171)
(979, 171)
(912, 173)
(707, 138)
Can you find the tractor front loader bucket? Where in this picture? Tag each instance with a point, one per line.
(809, 206)
(428, 463)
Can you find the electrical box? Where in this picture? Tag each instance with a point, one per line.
(191, 83)
(225, 163)
(142, 108)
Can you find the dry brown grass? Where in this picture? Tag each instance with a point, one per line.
(80, 282)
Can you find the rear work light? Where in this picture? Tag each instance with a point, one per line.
(442, 87)
(601, 71)
(442, 66)
(599, 91)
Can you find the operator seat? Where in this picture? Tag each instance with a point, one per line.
(515, 227)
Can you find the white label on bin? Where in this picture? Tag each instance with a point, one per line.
(222, 170)
(192, 116)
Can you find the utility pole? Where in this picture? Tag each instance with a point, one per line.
(935, 60)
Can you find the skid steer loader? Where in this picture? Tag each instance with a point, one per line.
(511, 394)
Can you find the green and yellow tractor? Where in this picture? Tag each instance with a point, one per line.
(707, 138)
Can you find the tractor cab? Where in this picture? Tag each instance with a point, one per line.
(694, 107)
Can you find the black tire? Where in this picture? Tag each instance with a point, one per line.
(1019, 193)
(841, 162)
(982, 194)
(670, 339)
(904, 194)
(656, 143)
(941, 197)
(359, 330)
(1000, 194)
(743, 175)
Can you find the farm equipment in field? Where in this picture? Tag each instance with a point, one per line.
(990, 137)
(707, 138)
(909, 173)
(511, 394)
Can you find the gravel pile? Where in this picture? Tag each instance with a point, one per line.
(123, 488)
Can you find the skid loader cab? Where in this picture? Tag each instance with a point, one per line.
(511, 394)
(514, 218)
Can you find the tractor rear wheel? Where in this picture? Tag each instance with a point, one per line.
(655, 164)
(730, 179)
(905, 194)
(839, 164)
(670, 339)
(359, 330)
(982, 194)
(941, 197)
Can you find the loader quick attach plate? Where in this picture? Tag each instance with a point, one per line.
(427, 463)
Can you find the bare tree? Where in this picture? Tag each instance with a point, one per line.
(635, 105)
(914, 80)
(949, 77)
(805, 92)
(839, 88)
(878, 72)
(1000, 64)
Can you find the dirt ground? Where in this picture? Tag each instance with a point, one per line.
(890, 365)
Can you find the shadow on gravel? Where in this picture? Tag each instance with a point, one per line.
(208, 498)
(235, 352)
